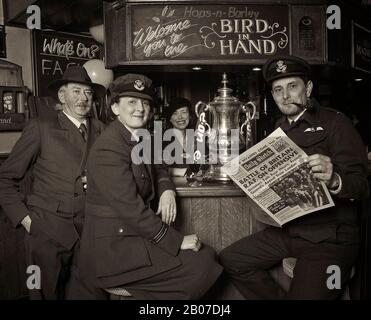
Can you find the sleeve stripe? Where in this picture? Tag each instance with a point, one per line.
(157, 238)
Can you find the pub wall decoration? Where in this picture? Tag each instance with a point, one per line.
(54, 52)
(178, 34)
(361, 48)
(309, 32)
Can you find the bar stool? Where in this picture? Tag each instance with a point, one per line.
(288, 265)
(119, 293)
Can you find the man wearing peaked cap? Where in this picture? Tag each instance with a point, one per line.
(285, 66)
(53, 151)
(336, 157)
(129, 241)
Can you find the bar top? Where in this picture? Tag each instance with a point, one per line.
(207, 189)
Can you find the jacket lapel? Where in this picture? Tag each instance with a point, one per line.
(126, 134)
(75, 139)
(93, 132)
(73, 135)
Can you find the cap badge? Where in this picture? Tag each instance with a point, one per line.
(138, 84)
(280, 66)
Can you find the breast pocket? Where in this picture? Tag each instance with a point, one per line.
(313, 142)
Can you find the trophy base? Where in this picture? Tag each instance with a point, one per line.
(215, 174)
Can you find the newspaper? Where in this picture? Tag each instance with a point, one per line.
(275, 175)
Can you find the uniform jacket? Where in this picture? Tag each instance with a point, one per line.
(123, 239)
(329, 132)
(53, 151)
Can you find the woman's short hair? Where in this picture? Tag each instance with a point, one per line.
(177, 103)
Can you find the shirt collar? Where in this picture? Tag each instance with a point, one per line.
(76, 122)
(133, 134)
(297, 118)
(179, 134)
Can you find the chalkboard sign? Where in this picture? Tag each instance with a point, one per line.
(197, 32)
(205, 32)
(54, 51)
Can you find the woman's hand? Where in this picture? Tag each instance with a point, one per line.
(167, 206)
(191, 242)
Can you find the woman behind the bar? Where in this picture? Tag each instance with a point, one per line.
(125, 243)
(180, 117)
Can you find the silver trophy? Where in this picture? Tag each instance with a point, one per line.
(226, 139)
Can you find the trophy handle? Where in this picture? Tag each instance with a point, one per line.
(250, 114)
(198, 104)
(201, 116)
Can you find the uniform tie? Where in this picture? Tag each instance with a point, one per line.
(84, 131)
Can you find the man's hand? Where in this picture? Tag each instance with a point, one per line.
(322, 169)
(26, 223)
(167, 206)
(191, 242)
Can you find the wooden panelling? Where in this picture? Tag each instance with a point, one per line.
(234, 220)
(205, 219)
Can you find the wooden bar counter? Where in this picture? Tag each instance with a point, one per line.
(219, 213)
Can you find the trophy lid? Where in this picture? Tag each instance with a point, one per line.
(225, 92)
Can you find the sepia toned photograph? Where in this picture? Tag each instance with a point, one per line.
(185, 157)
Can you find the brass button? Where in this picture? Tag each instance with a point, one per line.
(142, 175)
(121, 230)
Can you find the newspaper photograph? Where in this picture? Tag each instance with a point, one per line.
(275, 175)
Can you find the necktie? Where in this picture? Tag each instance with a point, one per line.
(84, 131)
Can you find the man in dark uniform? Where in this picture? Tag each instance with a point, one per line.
(337, 157)
(53, 150)
(125, 243)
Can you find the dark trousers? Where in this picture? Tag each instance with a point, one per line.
(190, 281)
(58, 264)
(248, 261)
(54, 262)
